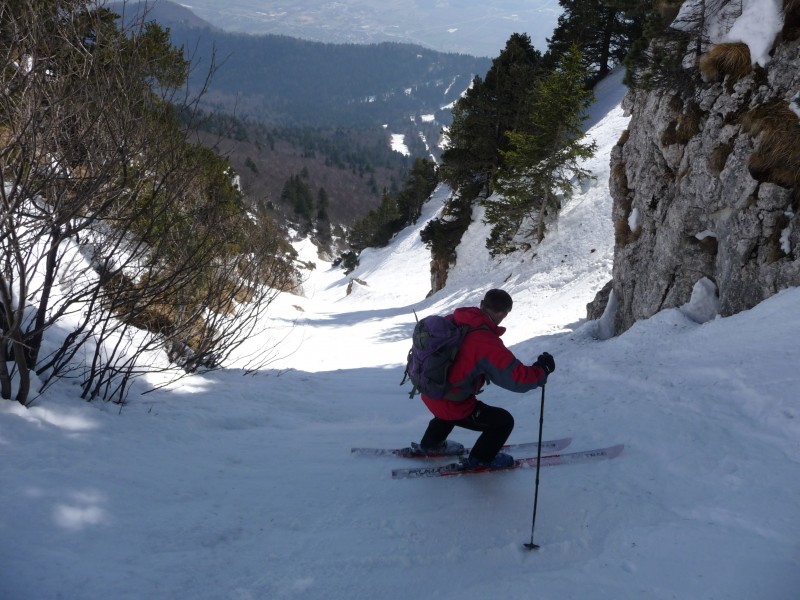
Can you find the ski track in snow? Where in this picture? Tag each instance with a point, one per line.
(235, 487)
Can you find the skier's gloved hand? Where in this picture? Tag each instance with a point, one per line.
(546, 362)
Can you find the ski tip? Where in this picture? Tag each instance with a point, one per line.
(367, 451)
(564, 442)
(615, 451)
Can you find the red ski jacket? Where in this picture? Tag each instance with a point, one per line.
(482, 357)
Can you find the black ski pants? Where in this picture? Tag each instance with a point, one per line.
(495, 425)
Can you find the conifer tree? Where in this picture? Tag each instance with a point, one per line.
(377, 227)
(476, 139)
(545, 161)
(604, 30)
(297, 193)
(489, 108)
(419, 185)
(388, 214)
(323, 223)
(362, 233)
(323, 203)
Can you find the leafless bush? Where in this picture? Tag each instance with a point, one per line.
(113, 225)
(777, 156)
(719, 157)
(726, 59)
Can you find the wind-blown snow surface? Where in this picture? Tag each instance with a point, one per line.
(234, 487)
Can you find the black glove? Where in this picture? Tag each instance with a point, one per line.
(546, 362)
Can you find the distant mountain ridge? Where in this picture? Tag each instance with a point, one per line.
(164, 12)
(474, 27)
(282, 80)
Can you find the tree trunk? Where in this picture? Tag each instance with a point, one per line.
(605, 46)
(5, 377)
(542, 209)
(51, 266)
(24, 373)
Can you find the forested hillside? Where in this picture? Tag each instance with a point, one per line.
(294, 115)
(352, 166)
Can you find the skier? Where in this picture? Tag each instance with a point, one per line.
(482, 357)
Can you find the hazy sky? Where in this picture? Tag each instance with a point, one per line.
(478, 27)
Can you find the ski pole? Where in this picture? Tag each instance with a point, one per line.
(531, 545)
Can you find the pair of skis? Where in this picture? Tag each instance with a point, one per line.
(554, 457)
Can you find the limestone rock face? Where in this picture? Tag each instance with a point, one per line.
(698, 192)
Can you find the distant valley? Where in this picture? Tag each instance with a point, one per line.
(286, 81)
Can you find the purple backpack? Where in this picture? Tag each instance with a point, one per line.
(435, 343)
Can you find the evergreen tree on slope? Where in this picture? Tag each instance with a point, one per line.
(604, 30)
(543, 164)
(489, 108)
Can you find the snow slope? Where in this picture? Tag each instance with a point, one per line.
(242, 487)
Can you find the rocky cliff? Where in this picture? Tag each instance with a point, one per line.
(706, 184)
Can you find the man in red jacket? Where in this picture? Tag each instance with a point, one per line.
(482, 357)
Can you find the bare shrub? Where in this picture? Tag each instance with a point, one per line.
(719, 156)
(670, 134)
(776, 158)
(619, 176)
(107, 212)
(623, 235)
(689, 123)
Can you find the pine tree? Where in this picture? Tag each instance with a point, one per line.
(377, 227)
(362, 233)
(604, 30)
(419, 185)
(297, 194)
(387, 216)
(323, 223)
(489, 108)
(323, 203)
(544, 162)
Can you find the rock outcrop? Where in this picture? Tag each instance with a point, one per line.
(707, 184)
